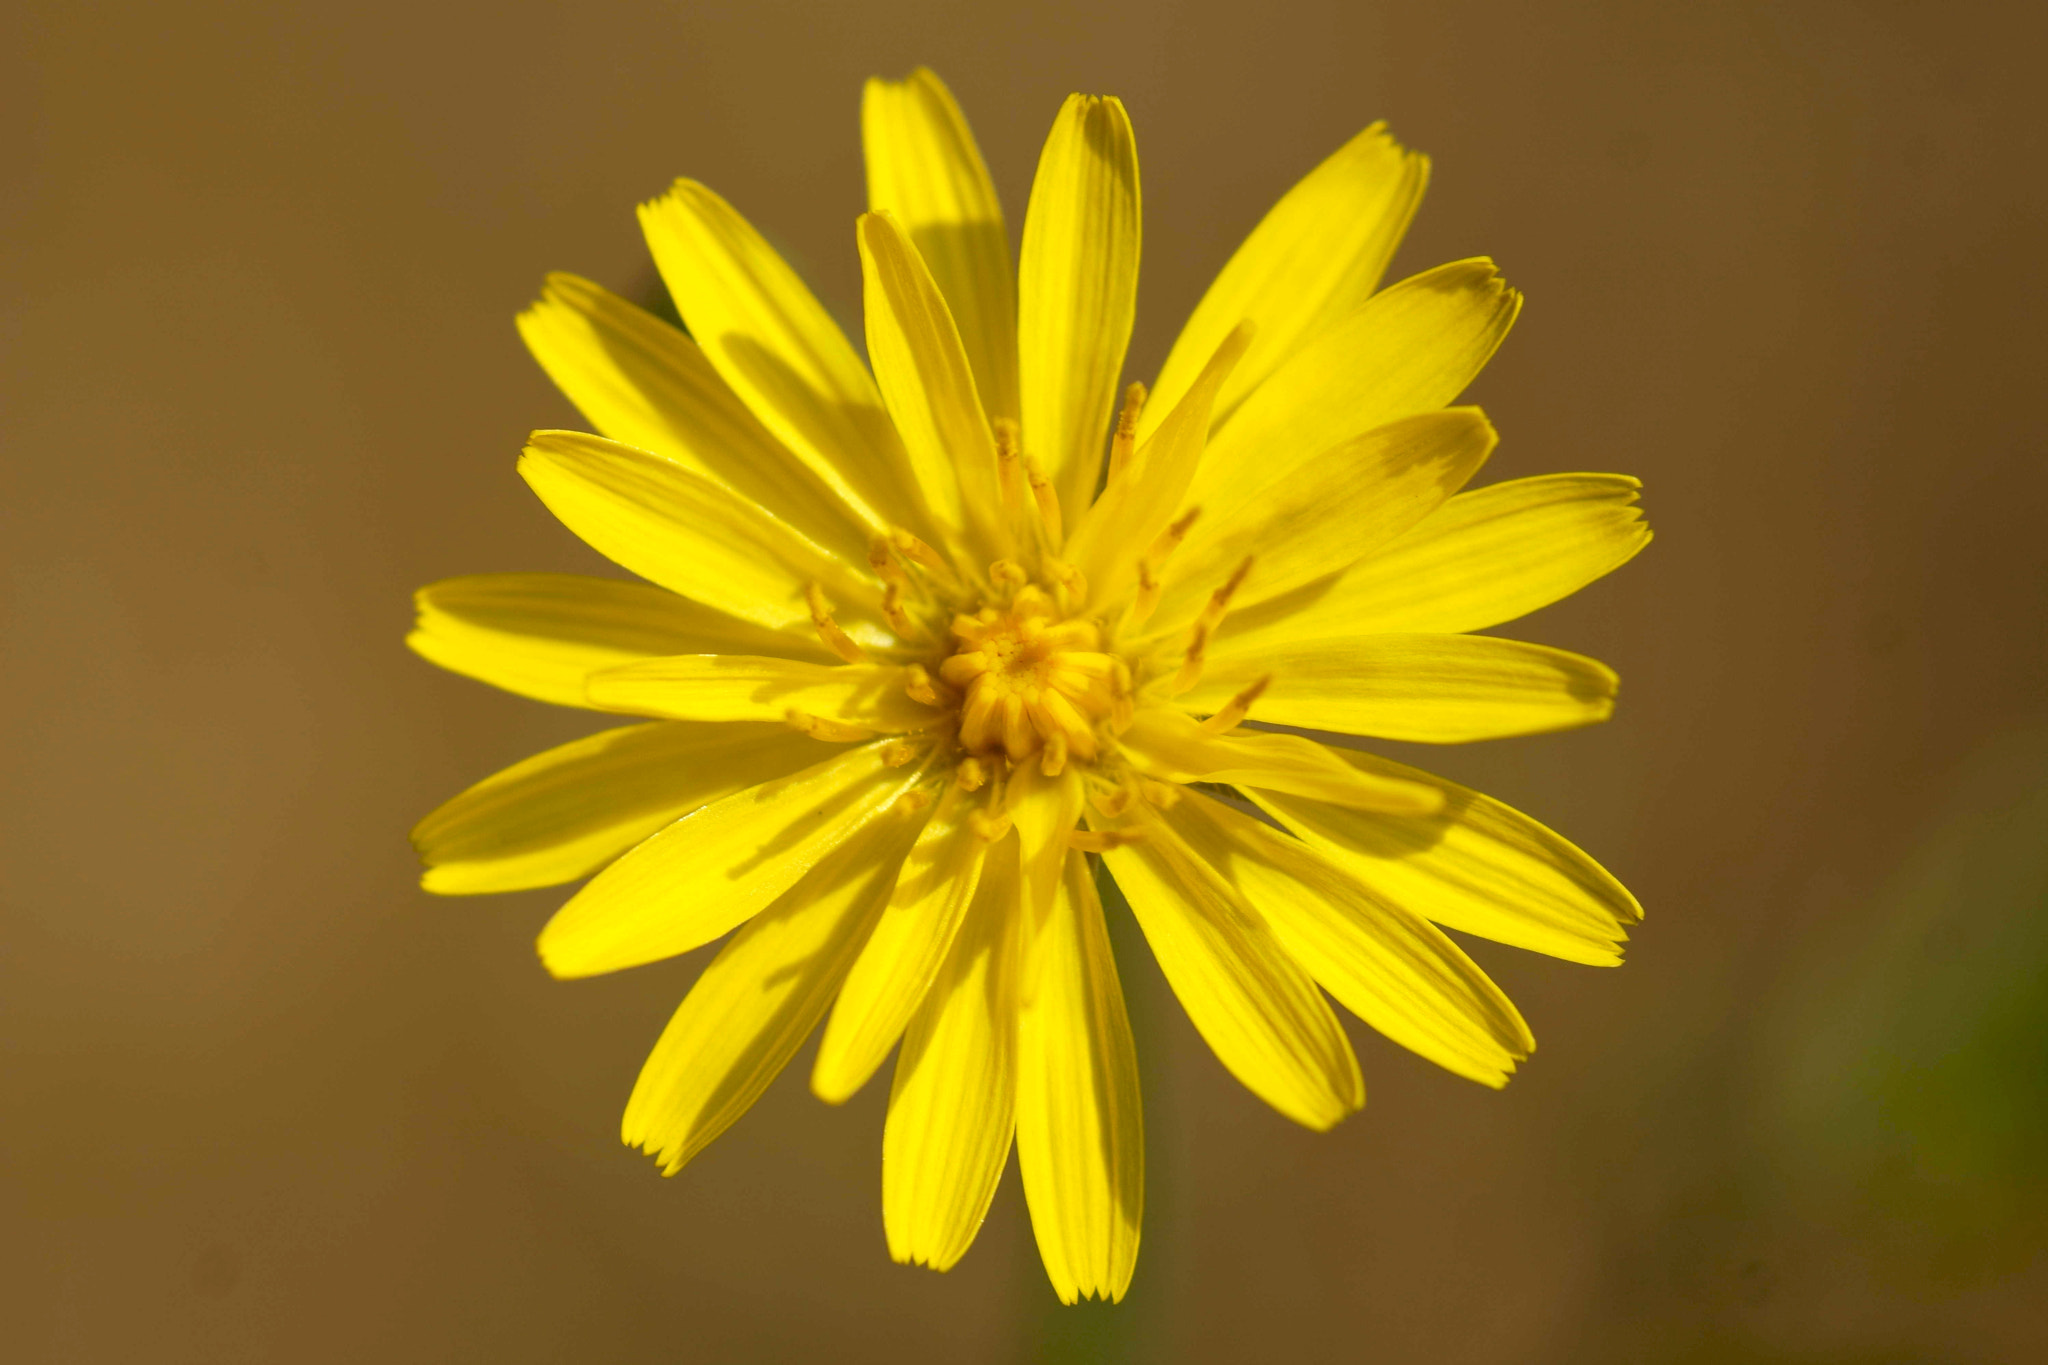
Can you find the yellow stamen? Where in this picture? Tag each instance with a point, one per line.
(1198, 638)
(914, 800)
(1048, 500)
(1008, 575)
(836, 640)
(1103, 840)
(882, 558)
(1010, 479)
(1154, 560)
(1234, 710)
(899, 754)
(971, 774)
(900, 621)
(1115, 802)
(1054, 761)
(920, 554)
(1164, 795)
(918, 684)
(1069, 583)
(817, 727)
(1125, 442)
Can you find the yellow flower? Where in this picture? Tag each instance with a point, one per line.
(925, 641)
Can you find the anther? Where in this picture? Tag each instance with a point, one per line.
(817, 727)
(1164, 795)
(1008, 575)
(1125, 442)
(1048, 500)
(899, 754)
(1103, 840)
(1054, 760)
(882, 559)
(914, 800)
(1071, 583)
(1234, 710)
(989, 828)
(1191, 666)
(1010, 478)
(836, 640)
(899, 620)
(1154, 560)
(920, 554)
(971, 774)
(1211, 617)
(1113, 803)
(918, 684)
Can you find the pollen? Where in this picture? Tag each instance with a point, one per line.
(1033, 682)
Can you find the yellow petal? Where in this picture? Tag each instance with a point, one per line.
(565, 813)
(924, 168)
(1431, 689)
(542, 634)
(1327, 513)
(952, 1108)
(1486, 556)
(1080, 1129)
(1477, 866)
(1384, 963)
(1078, 291)
(738, 687)
(643, 383)
(1174, 748)
(779, 350)
(929, 387)
(1315, 257)
(1045, 811)
(1138, 502)
(903, 955)
(759, 998)
(717, 868)
(681, 530)
(1259, 1012)
(1411, 348)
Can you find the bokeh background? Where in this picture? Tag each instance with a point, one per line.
(263, 1100)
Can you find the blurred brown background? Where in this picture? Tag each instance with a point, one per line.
(263, 1100)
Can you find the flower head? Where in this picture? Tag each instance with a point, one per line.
(926, 644)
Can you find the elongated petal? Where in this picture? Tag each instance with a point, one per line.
(1078, 291)
(681, 530)
(1080, 1129)
(903, 955)
(643, 383)
(565, 813)
(779, 350)
(952, 1107)
(1476, 866)
(1259, 1012)
(1176, 749)
(1314, 258)
(1330, 512)
(929, 387)
(760, 997)
(1138, 502)
(1486, 556)
(1384, 963)
(1432, 689)
(1045, 811)
(739, 687)
(924, 168)
(717, 868)
(1411, 348)
(542, 634)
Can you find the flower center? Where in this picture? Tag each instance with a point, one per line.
(1032, 682)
